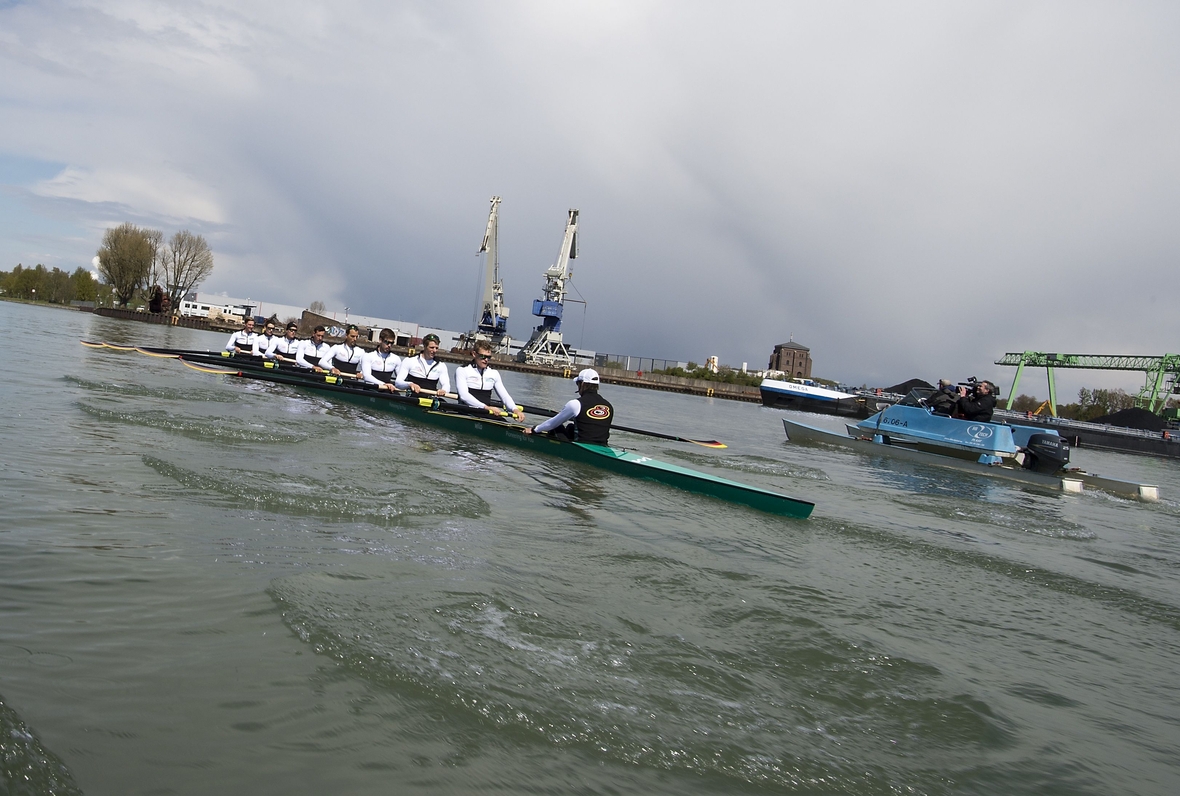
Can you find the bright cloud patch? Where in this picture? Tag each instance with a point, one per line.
(158, 193)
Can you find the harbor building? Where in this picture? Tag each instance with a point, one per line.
(792, 359)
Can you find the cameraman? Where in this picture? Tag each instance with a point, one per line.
(979, 403)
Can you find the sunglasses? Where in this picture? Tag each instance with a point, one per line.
(483, 356)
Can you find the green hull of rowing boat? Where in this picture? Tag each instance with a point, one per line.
(613, 459)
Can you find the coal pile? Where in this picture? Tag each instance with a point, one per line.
(1133, 418)
(906, 386)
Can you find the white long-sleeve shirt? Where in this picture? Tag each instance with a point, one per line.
(343, 352)
(310, 354)
(241, 339)
(263, 343)
(284, 347)
(567, 413)
(420, 368)
(470, 377)
(376, 362)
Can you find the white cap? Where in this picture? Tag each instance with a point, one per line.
(587, 376)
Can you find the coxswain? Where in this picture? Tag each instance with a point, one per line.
(242, 341)
(475, 383)
(312, 351)
(592, 414)
(344, 359)
(264, 341)
(424, 372)
(380, 367)
(285, 349)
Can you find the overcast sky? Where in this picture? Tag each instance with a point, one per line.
(910, 189)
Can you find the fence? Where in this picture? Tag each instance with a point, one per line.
(625, 362)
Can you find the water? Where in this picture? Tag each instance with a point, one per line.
(216, 586)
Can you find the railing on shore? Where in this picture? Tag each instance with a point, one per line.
(162, 318)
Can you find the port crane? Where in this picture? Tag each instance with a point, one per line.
(1152, 397)
(491, 315)
(545, 346)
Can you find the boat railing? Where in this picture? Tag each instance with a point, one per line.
(884, 397)
(1081, 425)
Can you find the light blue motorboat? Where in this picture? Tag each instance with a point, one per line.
(910, 431)
(911, 423)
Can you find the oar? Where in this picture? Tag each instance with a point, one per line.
(207, 369)
(708, 443)
(347, 385)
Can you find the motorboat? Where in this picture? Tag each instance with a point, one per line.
(909, 430)
(911, 423)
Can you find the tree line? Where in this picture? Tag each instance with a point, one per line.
(56, 286)
(1091, 404)
(131, 261)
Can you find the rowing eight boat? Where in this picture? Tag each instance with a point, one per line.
(480, 423)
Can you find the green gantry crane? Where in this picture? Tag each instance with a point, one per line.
(1153, 397)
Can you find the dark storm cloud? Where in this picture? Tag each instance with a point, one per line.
(909, 189)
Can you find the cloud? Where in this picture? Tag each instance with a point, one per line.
(170, 196)
(910, 190)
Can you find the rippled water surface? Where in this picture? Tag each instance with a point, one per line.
(211, 585)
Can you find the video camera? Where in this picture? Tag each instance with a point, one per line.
(972, 385)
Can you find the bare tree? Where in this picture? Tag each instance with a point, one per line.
(317, 307)
(124, 260)
(187, 263)
(157, 274)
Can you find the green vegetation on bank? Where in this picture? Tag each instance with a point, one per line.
(54, 286)
(725, 375)
(131, 263)
(1091, 404)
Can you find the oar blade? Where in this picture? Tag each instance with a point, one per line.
(207, 369)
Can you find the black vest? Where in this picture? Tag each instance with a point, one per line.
(593, 422)
(316, 356)
(344, 366)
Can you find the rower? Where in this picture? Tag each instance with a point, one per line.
(424, 372)
(264, 341)
(344, 359)
(312, 351)
(286, 348)
(592, 414)
(242, 341)
(475, 383)
(379, 367)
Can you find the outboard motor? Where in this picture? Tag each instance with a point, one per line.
(1046, 453)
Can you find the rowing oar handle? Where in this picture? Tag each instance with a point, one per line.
(492, 410)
